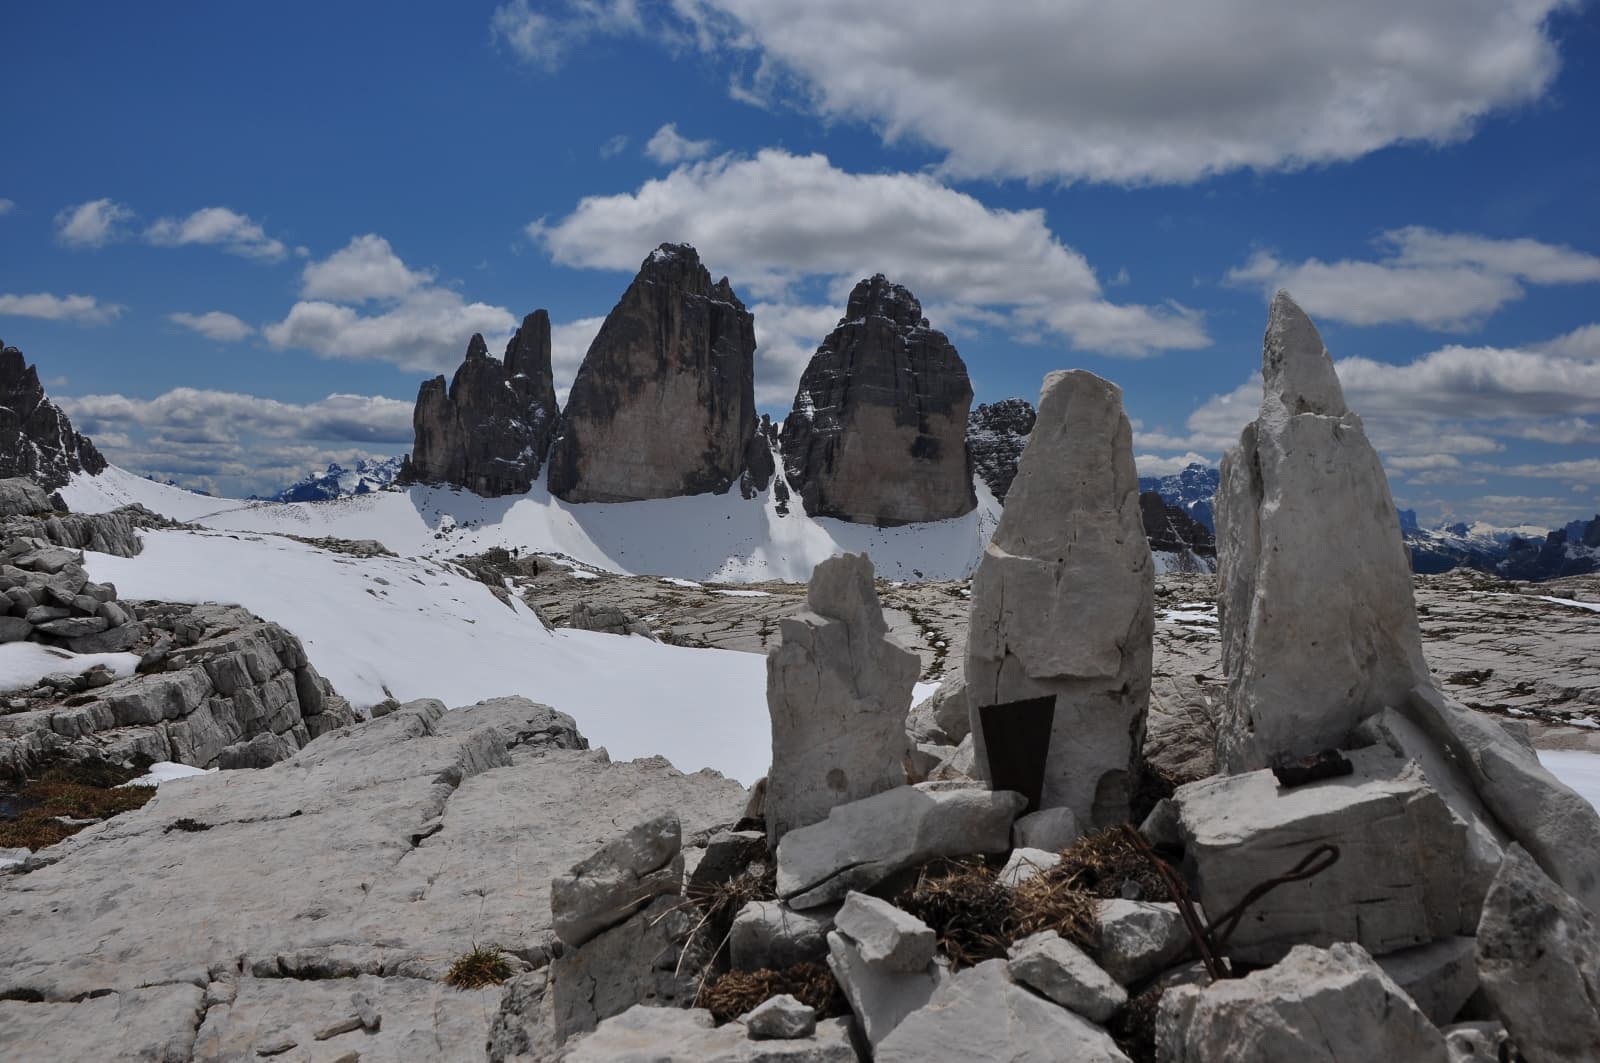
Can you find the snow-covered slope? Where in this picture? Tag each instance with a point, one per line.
(409, 628)
(712, 537)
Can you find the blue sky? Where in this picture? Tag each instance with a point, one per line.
(235, 238)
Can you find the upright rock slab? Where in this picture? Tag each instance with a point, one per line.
(1062, 613)
(1319, 626)
(838, 689)
(664, 403)
(490, 431)
(878, 433)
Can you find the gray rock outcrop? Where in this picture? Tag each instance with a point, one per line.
(996, 434)
(1317, 1006)
(878, 430)
(36, 439)
(664, 403)
(1056, 968)
(1319, 625)
(21, 497)
(102, 533)
(1062, 609)
(838, 690)
(1539, 963)
(673, 1035)
(490, 431)
(618, 880)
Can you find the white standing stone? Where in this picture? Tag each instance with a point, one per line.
(1062, 971)
(1062, 600)
(886, 936)
(838, 690)
(1319, 626)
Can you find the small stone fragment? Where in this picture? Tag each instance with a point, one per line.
(781, 1018)
(1026, 863)
(1063, 972)
(885, 935)
(1139, 939)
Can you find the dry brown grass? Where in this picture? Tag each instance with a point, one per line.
(1134, 1027)
(977, 918)
(1100, 863)
(77, 791)
(733, 994)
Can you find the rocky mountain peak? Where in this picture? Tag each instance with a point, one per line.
(878, 432)
(36, 439)
(1295, 365)
(996, 434)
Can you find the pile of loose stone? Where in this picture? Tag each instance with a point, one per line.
(1377, 873)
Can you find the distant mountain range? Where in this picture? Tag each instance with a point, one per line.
(337, 482)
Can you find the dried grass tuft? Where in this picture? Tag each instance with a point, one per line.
(484, 965)
(977, 918)
(1100, 864)
(731, 995)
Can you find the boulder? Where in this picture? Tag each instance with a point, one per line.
(996, 434)
(1398, 881)
(673, 1035)
(1059, 651)
(36, 439)
(780, 1018)
(1139, 940)
(1331, 1005)
(490, 431)
(862, 843)
(838, 688)
(1318, 623)
(664, 403)
(770, 935)
(878, 430)
(1478, 1042)
(980, 1013)
(728, 854)
(884, 935)
(1539, 963)
(1439, 977)
(1052, 829)
(622, 877)
(607, 619)
(21, 497)
(1025, 863)
(880, 998)
(1053, 966)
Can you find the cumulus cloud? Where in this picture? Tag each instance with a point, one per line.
(1139, 90)
(235, 233)
(776, 222)
(1153, 465)
(214, 325)
(93, 224)
(78, 309)
(1447, 281)
(365, 268)
(545, 37)
(669, 147)
(569, 342)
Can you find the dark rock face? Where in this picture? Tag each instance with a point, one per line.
(1171, 530)
(996, 434)
(664, 403)
(338, 482)
(759, 465)
(878, 433)
(36, 439)
(491, 430)
(1194, 490)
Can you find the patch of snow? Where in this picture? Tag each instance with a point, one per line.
(1590, 606)
(1182, 616)
(1577, 769)
(23, 664)
(11, 857)
(923, 691)
(745, 594)
(165, 771)
(676, 582)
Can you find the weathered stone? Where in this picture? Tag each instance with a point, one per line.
(881, 998)
(1025, 863)
(14, 629)
(1160, 827)
(979, 1013)
(1060, 970)
(878, 430)
(1539, 963)
(1051, 829)
(864, 842)
(148, 1023)
(1316, 1006)
(1318, 622)
(72, 627)
(771, 935)
(838, 688)
(884, 935)
(624, 876)
(36, 439)
(780, 1018)
(1439, 977)
(674, 1035)
(21, 497)
(1139, 939)
(1398, 880)
(1062, 607)
(607, 619)
(664, 403)
(491, 430)
(727, 855)
(1477, 1042)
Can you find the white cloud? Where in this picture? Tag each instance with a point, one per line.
(777, 220)
(569, 342)
(1153, 465)
(7, 206)
(427, 331)
(214, 325)
(543, 38)
(669, 147)
(1448, 281)
(1579, 343)
(365, 268)
(787, 336)
(1140, 90)
(1580, 469)
(92, 224)
(614, 147)
(235, 233)
(207, 416)
(78, 309)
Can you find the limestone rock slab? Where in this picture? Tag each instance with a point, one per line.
(1050, 964)
(771, 935)
(676, 1035)
(623, 876)
(881, 998)
(884, 935)
(154, 1023)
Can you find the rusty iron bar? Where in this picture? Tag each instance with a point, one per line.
(1180, 895)
(1222, 928)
